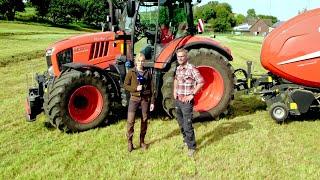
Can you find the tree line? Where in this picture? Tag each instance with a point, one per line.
(218, 16)
(59, 12)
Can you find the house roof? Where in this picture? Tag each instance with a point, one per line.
(268, 22)
(277, 24)
(242, 27)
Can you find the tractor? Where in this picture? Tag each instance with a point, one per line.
(83, 84)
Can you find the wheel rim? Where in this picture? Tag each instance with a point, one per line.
(212, 90)
(85, 104)
(279, 112)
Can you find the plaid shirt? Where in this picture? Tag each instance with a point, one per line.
(187, 77)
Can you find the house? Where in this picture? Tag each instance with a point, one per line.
(261, 27)
(254, 27)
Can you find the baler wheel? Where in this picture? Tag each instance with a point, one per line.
(279, 112)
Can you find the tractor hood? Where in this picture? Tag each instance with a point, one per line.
(94, 49)
(292, 50)
(81, 40)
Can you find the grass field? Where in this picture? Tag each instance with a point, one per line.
(248, 145)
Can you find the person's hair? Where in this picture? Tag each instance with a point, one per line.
(138, 57)
(182, 26)
(182, 50)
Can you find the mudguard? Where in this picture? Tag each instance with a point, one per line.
(189, 42)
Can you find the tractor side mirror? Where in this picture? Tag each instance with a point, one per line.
(131, 8)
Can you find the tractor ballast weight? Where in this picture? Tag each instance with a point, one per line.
(84, 82)
(291, 54)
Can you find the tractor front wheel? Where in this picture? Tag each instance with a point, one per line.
(77, 101)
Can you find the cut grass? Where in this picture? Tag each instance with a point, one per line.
(20, 42)
(248, 145)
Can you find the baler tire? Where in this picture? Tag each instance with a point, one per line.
(64, 88)
(279, 112)
(211, 58)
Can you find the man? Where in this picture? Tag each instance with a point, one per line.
(188, 81)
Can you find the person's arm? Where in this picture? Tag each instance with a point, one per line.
(152, 93)
(199, 80)
(199, 83)
(197, 88)
(127, 83)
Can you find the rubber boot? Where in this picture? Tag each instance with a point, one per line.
(143, 145)
(130, 146)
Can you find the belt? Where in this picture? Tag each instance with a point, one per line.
(181, 97)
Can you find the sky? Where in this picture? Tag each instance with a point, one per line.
(282, 9)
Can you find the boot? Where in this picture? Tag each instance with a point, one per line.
(130, 146)
(143, 145)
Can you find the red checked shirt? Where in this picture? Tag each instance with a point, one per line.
(187, 77)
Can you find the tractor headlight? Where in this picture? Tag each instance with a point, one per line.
(50, 71)
(49, 52)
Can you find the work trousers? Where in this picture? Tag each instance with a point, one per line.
(184, 118)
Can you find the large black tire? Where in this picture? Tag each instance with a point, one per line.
(203, 57)
(47, 123)
(64, 88)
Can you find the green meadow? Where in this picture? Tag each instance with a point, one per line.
(248, 144)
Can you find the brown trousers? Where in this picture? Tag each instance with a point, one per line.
(133, 107)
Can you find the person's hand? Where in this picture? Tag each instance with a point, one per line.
(151, 107)
(189, 98)
(175, 95)
(139, 87)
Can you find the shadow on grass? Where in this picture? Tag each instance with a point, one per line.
(245, 105)
(312, 115)
(173, 133)
(223, 130)
(242, 105)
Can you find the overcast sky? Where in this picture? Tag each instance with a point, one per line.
(282, 9)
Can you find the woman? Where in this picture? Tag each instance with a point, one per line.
(138, 82)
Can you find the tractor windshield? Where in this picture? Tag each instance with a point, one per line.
(126, 23)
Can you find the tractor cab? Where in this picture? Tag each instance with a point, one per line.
(153, 24)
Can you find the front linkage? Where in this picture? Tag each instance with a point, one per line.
(34, 101)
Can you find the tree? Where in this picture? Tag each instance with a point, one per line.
(8, 8)
(273, 18)
(251, 13)
(240, 19)
(224, 18)
(64, 11)
(208, 10)
(42, 7)
(95, 12)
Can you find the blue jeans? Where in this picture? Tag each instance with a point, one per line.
(184, 118)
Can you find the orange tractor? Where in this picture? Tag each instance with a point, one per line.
(84, 81)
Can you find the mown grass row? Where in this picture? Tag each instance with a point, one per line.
(22, 42)
(248, 145)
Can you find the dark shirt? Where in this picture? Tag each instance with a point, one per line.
(131, 83)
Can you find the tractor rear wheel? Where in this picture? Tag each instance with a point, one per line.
(218, 90)
(77, 101)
